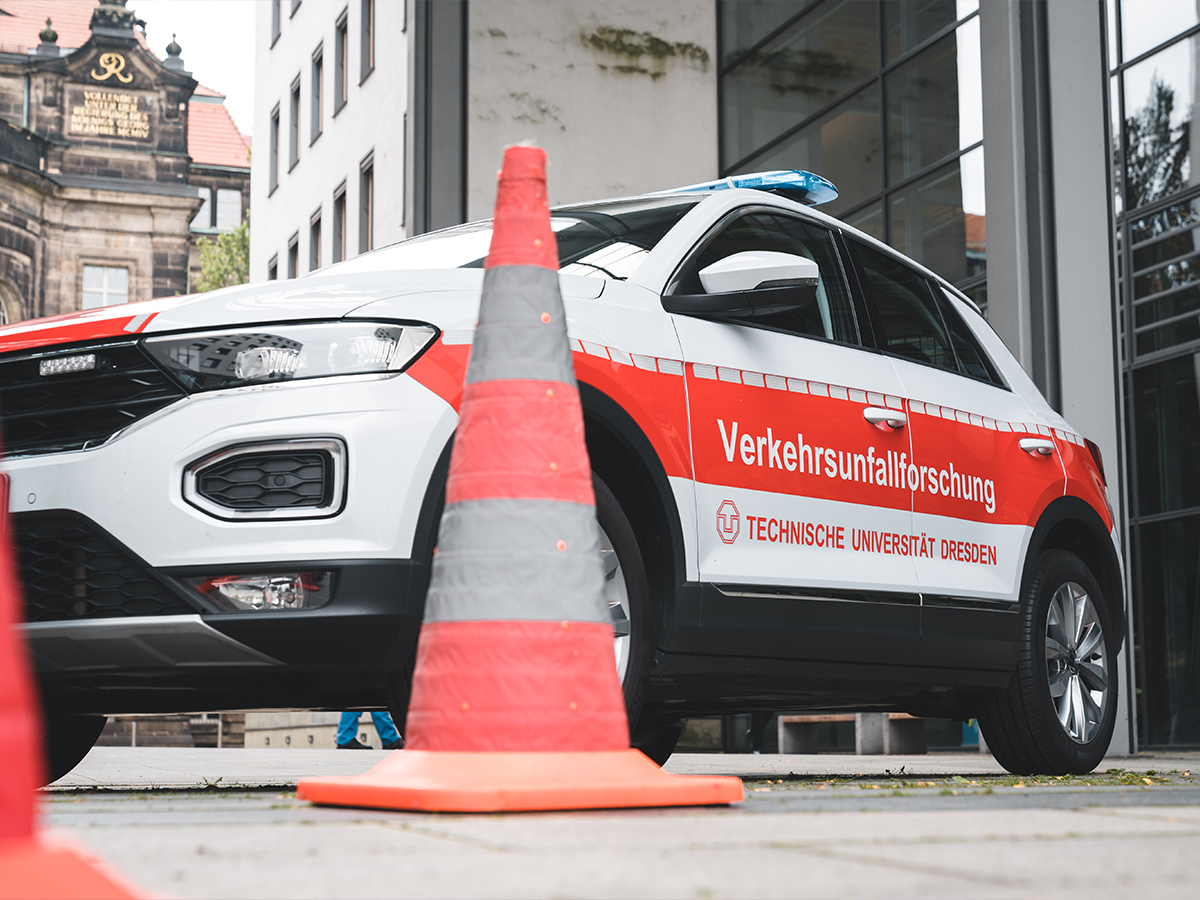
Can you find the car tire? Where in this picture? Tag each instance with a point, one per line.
(631, 603)
(660, 743)
(1057, 715)
(67, 740)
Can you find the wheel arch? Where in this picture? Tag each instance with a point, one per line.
(625, 460)
(1070, 524)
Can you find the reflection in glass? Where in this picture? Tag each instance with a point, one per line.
(746, 22)
(1166, 264)
(1147, 23)
(922, 109)
(908, 23)
(797, 73)
(929, 223)
(868, 220)
(1167, 593)
(843, 146)
(1159, 95)
(1167, 426)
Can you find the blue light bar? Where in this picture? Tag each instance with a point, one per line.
(795, 184)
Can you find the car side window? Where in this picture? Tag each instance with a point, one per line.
(972, 359)
(830, 316)
(904, 309)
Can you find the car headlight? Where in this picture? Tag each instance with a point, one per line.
(211, 360)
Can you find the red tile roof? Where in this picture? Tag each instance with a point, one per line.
(213, 138)
(72, 20)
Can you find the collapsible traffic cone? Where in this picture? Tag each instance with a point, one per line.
(516, 703)
(32, 866)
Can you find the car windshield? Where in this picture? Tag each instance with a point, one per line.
(599, 240)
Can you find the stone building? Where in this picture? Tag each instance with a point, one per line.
(112, 161)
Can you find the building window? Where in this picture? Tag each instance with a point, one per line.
(367, 61)
(366, 205)
(105, 286)
(293, 255)
(273, 268)
(314, 242)
(1155, 82)
(229, 209)
(339, 223)
(203, 217)
(275, 18)
(295, 6)
(274, 149)
(892, 115)
(340, 48)
(294, 132)
(318, 89)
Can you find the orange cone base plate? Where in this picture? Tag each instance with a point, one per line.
(51, 868)
(506, 781)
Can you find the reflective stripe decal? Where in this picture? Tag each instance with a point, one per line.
(501, 559)
(522, 328)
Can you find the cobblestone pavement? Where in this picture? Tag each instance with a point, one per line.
(923, 826)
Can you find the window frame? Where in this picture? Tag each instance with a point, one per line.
(366, 47)
(314, 241)
(317, 94)
(718, 228)
(105, 266)
(276, 21)
(293, 255)
(273, 267)
(341, 50)
(274, 151)
(294, 125)
(931, 285)
(366, 203)
(338, 249)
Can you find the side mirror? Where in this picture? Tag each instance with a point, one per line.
(748, 284)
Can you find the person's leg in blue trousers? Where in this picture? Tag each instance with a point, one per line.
(385, 728)
(348, 727)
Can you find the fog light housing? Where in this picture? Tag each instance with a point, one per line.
(272, 591)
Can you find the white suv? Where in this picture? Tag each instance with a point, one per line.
(822, 481)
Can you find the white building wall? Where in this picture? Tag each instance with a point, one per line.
(622, 95)
(372, 120)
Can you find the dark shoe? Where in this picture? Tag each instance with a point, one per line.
(397, 744)
(353, 745)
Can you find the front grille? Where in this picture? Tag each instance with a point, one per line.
(74, 410)
(71, 569)
(286, 480)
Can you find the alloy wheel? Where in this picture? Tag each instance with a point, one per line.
(616, 594)
(1076, 662)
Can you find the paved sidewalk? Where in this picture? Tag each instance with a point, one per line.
(141, 768)
(811, 826)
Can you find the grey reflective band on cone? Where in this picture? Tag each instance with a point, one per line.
(512, 342)
(498, 559)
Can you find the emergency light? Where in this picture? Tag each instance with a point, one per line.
(795, 184)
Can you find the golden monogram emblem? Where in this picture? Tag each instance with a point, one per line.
(112, 64)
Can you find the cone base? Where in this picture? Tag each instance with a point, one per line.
(507, 781)
(44, 868)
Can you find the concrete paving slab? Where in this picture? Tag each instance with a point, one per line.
(145, 768)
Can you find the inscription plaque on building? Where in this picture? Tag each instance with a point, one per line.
(111, 114)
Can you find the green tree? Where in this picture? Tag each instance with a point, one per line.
(225, 261)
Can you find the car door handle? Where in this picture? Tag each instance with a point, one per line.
(885, 418)
(1037, 445)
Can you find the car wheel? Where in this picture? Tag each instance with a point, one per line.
(628, 594)
(1057, 715)
(659, 743)
(67, 740)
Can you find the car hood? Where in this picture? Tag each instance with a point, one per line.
(436, 296)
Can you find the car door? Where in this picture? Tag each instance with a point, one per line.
(977, 470)
(801, 517)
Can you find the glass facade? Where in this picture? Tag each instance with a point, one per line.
(1155, 74)
(882, 98)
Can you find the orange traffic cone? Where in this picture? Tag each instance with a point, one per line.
(515, 702)
(32, 866)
